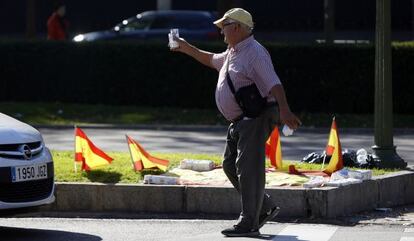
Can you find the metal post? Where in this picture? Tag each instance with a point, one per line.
(329, 20)
(412, 19)
(31, 18)
(384, 149)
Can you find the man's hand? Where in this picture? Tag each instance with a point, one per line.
(183, 46)
(290, 119)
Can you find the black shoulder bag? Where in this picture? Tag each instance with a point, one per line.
(248, 97)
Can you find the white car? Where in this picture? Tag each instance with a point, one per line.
(26, 166)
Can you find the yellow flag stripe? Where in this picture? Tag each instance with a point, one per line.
(91, 159)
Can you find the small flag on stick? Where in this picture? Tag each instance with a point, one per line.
(333, 149)
(273, 149)
(87, 153)
(142, 159)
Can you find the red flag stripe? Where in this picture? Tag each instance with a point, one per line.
(151, 158)
(79, 157)
(138, 165)
(329, 150)
(146, 154)
(158, 161)
(93, 148)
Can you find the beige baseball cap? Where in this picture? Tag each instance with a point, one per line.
(237, 14)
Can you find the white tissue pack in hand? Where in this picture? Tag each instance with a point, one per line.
(156, 179)
(171, 42)
(197, 165)
(287, 131)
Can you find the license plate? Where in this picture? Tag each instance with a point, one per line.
(28, 173)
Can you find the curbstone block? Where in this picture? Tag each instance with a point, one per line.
(292, 201)
(394, 187)
(78, 196)
(316, 201)
(202, 199)
(330, 202)
(351, 199)
(119, 197)
(143, 198)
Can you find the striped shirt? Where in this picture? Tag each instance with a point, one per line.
(249, 62)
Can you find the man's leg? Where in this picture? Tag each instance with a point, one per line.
(230, 155)
(250, 166)
(229, 167)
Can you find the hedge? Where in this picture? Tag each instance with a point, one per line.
(317, 78)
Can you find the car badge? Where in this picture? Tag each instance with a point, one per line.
(26, 151)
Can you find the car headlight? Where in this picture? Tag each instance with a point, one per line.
(79, 38)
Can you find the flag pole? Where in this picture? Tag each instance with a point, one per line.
(74, 156)
(323, 163)
(130, 153)
(324, 158)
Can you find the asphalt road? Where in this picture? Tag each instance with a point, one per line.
(84, 229)
(210, 139)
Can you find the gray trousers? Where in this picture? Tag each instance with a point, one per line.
(244, 164)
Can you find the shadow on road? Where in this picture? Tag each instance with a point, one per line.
(23, 234)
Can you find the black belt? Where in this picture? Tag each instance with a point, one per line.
(268, 105)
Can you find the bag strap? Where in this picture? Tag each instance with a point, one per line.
(229, 81)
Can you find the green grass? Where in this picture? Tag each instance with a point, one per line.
(70, 114)
(120, 171)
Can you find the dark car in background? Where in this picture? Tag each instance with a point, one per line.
(155, 25)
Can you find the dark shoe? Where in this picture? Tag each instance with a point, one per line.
(268, 216)
(238, 231)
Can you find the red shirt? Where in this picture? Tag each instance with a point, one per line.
(56, 28)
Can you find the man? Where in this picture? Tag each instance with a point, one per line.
(57, 24)
(246, 62)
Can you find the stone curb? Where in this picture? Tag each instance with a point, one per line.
(326, 202)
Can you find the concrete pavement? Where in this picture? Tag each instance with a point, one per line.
(81, 229)
(210, 139)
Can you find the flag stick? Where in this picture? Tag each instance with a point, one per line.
(130, 153)
(74, 155)
(323, 163)
(324, 158)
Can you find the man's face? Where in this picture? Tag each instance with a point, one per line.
(228, 30)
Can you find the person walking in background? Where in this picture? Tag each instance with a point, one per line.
(57, 24)
(245, 63)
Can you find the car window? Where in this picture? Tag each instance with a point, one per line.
(135, 24)
(161, 22)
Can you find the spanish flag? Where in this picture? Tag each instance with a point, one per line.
(333, 149)
(274, 150)
(87, 153)
(142, 159)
